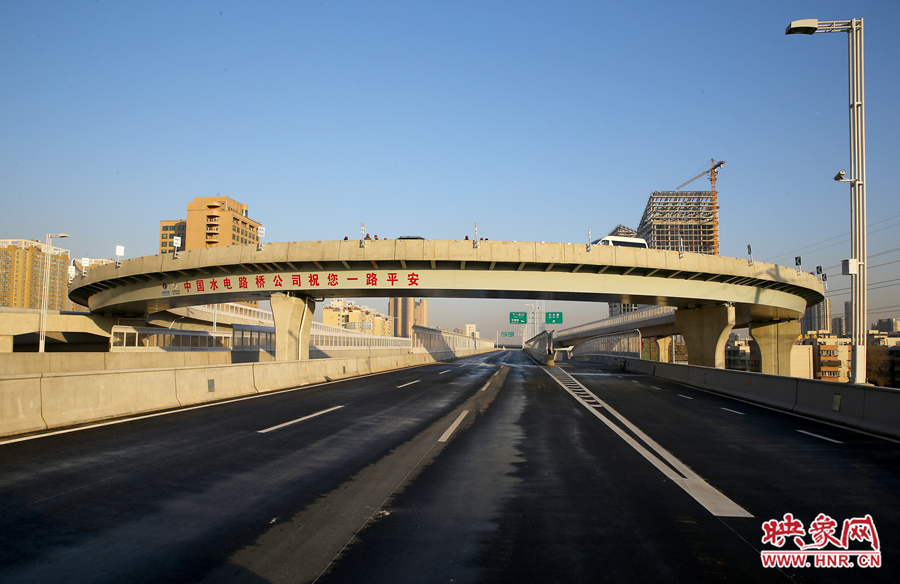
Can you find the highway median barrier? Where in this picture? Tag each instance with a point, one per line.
(20, 404)
(75, 398)
(195, 385)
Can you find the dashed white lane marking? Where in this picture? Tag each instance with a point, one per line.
(679, 473)
(410, 383)
(685, 396)
(822, 437)
(453, 427)
(299, 420)
(733, 411)
(485, 386)
(654, 387)
(635, 381)
(442, 372)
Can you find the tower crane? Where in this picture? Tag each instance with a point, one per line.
(713, 172)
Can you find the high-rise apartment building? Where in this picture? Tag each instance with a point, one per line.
(354, 317)
(407, 313)
(888, 325)
(681, 221)
(22, 264)
(211, 222)
(848, 317)
(817, 318)
(837, 326)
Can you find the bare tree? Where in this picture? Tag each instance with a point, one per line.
(878, 365)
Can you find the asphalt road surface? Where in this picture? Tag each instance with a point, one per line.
(485, 469)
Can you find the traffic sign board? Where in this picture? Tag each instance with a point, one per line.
(507, 334)
(518, 318)
(553, 317)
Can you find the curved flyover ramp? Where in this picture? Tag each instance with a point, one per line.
(721, 292)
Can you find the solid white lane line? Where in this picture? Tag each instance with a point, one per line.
(733, 411)
(822, 437)
(684, 396)
(410, 383)
(453, 427)
(692, 483)
(299, 420)
(442, 372)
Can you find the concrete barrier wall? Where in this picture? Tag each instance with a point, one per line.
(75, 398)
(194, 385)
(874, 409)
(20, 404)
(34, 402)
(16, 363)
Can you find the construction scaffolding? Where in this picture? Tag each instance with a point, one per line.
(622, 231)
(681, 221)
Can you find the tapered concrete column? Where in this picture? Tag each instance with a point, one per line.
(705, 331)
(293, 318)
(663, 346)
(775, 340)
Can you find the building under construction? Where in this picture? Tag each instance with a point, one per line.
(684, 220)
(681, 221)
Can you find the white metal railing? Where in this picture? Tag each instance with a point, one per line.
(156, 340)
(625, 344)
(233, 309)
(434, 339)
(335, 337)
(627, 318)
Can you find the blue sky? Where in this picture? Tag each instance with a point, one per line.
(537, 120)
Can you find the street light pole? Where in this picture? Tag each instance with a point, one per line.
(857, 267)
(42, 336)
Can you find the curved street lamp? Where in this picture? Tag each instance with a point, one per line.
(856, 266)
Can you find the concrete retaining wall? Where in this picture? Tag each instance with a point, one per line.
(16, 363)
(874, 409)
(20, 404)
(34, 402)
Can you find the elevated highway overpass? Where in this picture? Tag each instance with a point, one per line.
(712, 293)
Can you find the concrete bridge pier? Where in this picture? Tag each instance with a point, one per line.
(293, 318)
(662, 346)
(705, 331)
(775, 340)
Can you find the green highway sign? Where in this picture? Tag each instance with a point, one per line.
(553, 317)
(506, 334)
(518, 318)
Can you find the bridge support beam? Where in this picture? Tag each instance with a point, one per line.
(663, 347)
(775, 340)
(705, 331)
(293, 319)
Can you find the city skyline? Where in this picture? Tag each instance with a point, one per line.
(537, 123)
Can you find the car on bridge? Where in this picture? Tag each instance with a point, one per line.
(621, 241)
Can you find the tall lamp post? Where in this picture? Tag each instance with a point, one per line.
(46, 289)
(856, 267)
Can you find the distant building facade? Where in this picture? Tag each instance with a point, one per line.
(888, 325)
(406, 312)
(354, 317)
(831, 358)
(211, 222)
(22, 263)
(817, 318)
